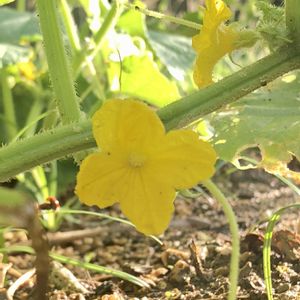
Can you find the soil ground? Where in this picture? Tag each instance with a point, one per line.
(193, 262)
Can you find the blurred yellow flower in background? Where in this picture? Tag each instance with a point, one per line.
(140, 165)
(28, 70)
(216, 40)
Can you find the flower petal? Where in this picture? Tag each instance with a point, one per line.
(183, 160)
(213, 42)
(126, 124)
(218, 44)
(97, 179)
(148, 203)
(216, 12)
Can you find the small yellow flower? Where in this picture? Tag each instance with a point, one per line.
(28, 70)
(140, 165)
(214, 41)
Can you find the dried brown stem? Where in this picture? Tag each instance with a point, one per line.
(18, 210)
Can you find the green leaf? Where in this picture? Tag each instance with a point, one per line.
(140, 77)
(16, 26)
(132, 71)
(174, 51)
(10, 54)
(268, 119)
(3, 2)
(133, 22)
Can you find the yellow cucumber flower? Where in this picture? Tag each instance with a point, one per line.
(214, 41)
(139, 165)
(28, 70)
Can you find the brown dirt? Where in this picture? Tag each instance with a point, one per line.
(193, 262)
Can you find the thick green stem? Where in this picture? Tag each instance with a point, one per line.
(10, 124)
(292, 13)
(215, 96)
(47, 146)
(234, 230)
(58, 63)
(66, 140)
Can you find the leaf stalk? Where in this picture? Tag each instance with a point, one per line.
(65, 140)
(234, 230)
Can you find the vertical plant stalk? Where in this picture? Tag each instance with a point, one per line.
(70, 26)
(34, 113)
(234, 230)
(108, 23)
(52, 182)
(39, 176)
(21, 5)
(267, 247)
(78, 52)
(292, 14)
(8, 107)
(59, 67)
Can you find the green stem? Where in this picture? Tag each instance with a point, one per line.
(21, 5)
(76, 47)
(44, 147)
(53, 179)
(267, 247)
(57, 143)
(10, 123)
(2, 238)
(292, 13)
(58, 63)
(70, 26)
(52, 118)
(164, 17)
(234, 230)
(108, 23)
(40, 179)
(230, 89)
(34, 113)
(75, 262)
(39, 176)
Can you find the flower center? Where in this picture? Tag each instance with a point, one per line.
(136, 160)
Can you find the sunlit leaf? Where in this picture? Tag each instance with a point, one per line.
(174, 51)
(140, 77)
(132, 71)
(133, 22)
(3, 2)
(268, 119)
